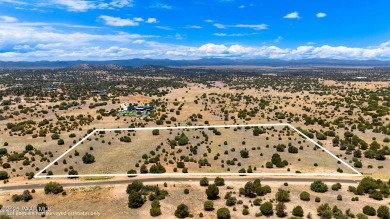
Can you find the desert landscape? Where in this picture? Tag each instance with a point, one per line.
(43, 120)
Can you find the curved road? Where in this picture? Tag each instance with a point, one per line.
(175, 179)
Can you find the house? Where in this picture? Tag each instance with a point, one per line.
(50, 89)
(98, 91)
(132, 107)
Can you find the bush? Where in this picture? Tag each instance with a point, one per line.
(358, 164)
(212, 192)
(292, 150)
(280, 207)
(3, 175)
(267, 209)
(3, 151)
(204, 181)
(377, 195)
(339, 198)
(257, 202)
(208, 205)
(132, 172)
(157, 168)
(53, 187)
(368, 210)
(250, 190)
(154, 212)
(42, 207)
(282, 196)
(298, 211)
(223, 213)
(319, 186)
(304, 196)
(182, 211)
(26, 196)
(183, 140)
(336, 187)
(219, 181)
(29, 147)
(361, 216)
(88, 158)
(135, 200)
(156, 132)
(125, 139)
(383, 212)
(244, 153)
(230, 201)
(180, 164)
(135, 186)
(245, 211)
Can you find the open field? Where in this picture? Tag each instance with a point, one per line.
(206, 150)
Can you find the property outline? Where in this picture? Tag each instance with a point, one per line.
(357, 173)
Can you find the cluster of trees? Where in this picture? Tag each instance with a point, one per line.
(277, 161)
(53, 188)
(376, 189)
(138, 192)
(25, 196)
(382, 211)
(255, 188)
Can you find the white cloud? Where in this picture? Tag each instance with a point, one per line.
(117, 21)
(253, 26)
(238, 49)
(209, 21)
(220, 34)
(150, 49)
(13, 2)
(233, 34)
(193, 27)
(82, 5)
(321, 15)
(138, 41)
(8, 19)
(138, 19)
(278, 39)
(385, 44)
(151, 20)
(121, 3)
(39, 41)
(164, 27)
(161, 5)
(76, 5)
(220, 26)
(211, 48)
(179, 36)
(38, 34)
(292, 15)
(241, 6)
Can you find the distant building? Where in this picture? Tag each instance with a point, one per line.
(50, 89)
(98, 91)
(132, 107)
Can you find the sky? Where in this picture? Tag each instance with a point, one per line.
(182, 29)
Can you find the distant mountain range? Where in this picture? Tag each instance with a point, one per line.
(113, 64)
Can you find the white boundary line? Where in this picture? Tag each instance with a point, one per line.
(37, 175)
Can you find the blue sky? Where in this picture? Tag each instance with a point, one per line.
(180, 29)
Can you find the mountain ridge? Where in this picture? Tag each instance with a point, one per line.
(197, 62)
